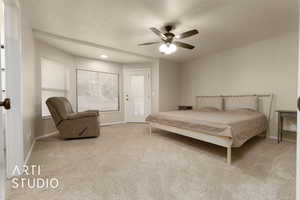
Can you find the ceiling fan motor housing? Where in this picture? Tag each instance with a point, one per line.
(169, 36)
(168, 39)
(168, 28)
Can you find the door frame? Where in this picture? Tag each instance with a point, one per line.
(2, 123)
(14, 86)
(298, 120)
(129, 69)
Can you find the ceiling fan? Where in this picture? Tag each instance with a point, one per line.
(169, 39)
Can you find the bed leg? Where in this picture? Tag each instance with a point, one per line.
(229, 155)
(265, 134)
(150, 130)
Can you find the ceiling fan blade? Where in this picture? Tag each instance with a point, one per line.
(183, 45)
(187, 34)
(148, 43)
(159, 33)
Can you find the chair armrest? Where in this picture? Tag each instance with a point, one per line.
(95, 111)
(80, 115)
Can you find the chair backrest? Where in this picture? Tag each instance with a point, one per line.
(59, 108)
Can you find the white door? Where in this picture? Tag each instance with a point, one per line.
(137, 94)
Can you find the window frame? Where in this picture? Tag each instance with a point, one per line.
(44, 89)
(118, 89)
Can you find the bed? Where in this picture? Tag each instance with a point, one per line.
(227, 121)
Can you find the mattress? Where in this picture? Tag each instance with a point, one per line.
(239, 125)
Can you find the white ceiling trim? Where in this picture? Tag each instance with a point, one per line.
(45, 36)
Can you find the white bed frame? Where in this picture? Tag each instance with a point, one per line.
(264, 106)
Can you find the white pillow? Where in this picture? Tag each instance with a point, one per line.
(209, 102)
(248, 102)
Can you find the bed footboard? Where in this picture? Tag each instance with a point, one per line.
(221, 141)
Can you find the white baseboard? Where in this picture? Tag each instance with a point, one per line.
(112, 123)
(33, 144)
(272, 137)
(47, 135)
(29, 153)
(284, 139)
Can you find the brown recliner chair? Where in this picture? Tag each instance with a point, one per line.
(71, 124)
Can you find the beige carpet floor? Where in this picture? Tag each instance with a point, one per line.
(125, 163)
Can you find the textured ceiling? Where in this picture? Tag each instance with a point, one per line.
(122, 24)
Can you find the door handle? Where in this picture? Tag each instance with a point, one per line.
(5, 103)
(298, 103)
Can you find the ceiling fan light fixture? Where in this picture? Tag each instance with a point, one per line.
(168, 44)
(163, 48)
(103, 56)
(167, 48)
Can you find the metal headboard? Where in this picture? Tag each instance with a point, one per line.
(264, 102)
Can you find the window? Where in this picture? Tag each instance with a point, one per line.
(97, 90)
(54, 82)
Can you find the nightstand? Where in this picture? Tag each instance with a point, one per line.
(185, 107)
(281, 115)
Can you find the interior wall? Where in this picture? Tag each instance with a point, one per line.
(268, 66)
(111, 67)
(29, 94)
(169, 85)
